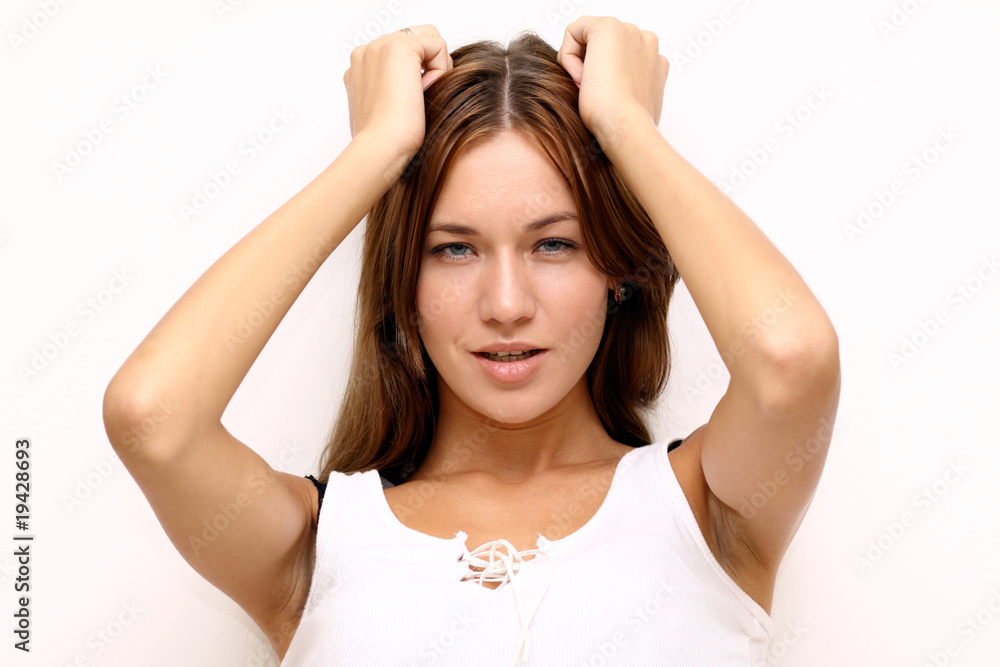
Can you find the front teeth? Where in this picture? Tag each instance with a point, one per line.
(513, 355)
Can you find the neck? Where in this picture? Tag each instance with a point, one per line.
(466, 441)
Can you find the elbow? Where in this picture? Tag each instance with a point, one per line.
(807, 366)
(139, 420)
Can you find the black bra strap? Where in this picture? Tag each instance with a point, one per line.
(321, 487)
(674, 445)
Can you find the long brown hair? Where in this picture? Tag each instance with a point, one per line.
(388, 414)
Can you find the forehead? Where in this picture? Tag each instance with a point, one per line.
(505, 178)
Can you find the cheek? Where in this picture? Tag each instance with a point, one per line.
(574, 290)
(583, 308)
(423, 315)
(439, 304)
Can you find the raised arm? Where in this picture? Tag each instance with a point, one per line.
(763, 449)
(245, 527)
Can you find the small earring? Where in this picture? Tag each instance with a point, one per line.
(620, 293)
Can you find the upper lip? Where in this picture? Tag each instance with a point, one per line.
(517, 346)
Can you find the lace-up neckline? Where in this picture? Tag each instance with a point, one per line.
(500, 562)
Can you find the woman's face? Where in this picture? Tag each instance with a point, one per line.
(486, 279)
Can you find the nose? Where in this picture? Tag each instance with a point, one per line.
(506, 289)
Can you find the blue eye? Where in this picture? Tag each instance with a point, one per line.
(450, 245)
(567, 246)
(560, 242)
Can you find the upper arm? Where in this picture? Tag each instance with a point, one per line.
(242, 525)
(764, 448)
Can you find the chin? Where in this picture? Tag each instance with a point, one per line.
(516, 410)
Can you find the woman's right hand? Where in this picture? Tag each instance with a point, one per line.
(386, 83)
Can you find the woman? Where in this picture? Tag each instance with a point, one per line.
(523, 204)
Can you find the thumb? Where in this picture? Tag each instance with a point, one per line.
(431, 77)
(573, 66)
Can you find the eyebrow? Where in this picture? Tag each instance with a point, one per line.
(465, 230)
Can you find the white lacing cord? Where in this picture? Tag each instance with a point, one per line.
(501, 567)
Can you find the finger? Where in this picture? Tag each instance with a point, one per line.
(573, 48)
(435, 59)
(426, 30)
(431, 76)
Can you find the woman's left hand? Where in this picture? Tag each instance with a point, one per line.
(619, 70)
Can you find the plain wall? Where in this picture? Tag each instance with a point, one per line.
(809, 113)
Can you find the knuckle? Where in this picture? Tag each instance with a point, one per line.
(397, 46)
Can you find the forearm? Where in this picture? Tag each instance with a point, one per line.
(756, 306)
(198, 354)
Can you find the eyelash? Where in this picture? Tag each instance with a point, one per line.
(453, 258)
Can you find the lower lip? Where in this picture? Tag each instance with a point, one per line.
(511, 371)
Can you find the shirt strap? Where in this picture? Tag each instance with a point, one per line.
(321, 488)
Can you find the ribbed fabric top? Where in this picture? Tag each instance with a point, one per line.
(636, 585)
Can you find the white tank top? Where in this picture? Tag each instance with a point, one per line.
(635, 585)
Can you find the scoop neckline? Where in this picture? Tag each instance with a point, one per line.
(392, 522)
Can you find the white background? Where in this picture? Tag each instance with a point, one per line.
(101, 558)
